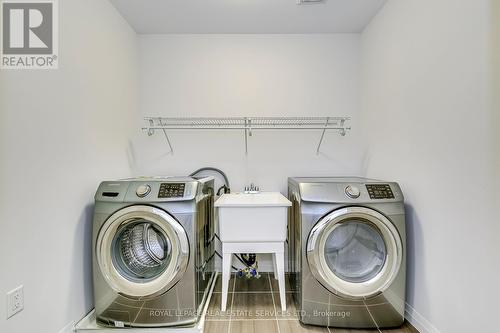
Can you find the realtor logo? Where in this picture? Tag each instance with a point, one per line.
(29, 34)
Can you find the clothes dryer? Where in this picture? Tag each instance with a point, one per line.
(347, 251)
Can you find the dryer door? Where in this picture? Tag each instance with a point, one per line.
(355, 252)
(142, 251)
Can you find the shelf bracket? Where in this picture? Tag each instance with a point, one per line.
(248, 132)
(150, 130)
(343, 130)
(167, 138)
(322, 135)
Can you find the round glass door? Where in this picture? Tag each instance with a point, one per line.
(354, 252)
(142, 251)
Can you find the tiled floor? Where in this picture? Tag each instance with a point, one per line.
(253, 306)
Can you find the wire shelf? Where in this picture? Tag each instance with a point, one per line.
(247, 124)
(244, 123)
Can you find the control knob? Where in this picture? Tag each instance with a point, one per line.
(352, 192)
(143, 190)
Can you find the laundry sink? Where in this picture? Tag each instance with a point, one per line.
(259, 217)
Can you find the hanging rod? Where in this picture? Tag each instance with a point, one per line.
(247, 124)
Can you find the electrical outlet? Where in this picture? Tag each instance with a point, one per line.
(15, 301)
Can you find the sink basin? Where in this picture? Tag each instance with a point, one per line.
(259, 217)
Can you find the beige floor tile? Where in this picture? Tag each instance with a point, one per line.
(275, 286)
(213, 310)
(253, 306)
(252, 285)
(253, 311)
(291, 311)
(254, 326)
(218, 283)
(285, 326)
(406, 328)
(294, 326)
(216, 327)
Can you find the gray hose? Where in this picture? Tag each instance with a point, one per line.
(219, 171)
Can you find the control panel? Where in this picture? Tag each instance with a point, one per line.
(380, 191)
(171, 190)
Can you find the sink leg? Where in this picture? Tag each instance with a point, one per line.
(280, 264)
(226, 270)
(274, 267)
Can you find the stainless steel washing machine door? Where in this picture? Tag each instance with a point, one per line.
(355, 252)
(142, 251)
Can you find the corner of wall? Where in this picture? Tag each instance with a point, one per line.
(495, 55)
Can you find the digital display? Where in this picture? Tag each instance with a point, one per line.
(380, 191)
(171, 190)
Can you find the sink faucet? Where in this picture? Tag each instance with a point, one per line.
(252, 189)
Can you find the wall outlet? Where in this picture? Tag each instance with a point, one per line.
(15, 301)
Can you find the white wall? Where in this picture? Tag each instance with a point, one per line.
(249, 75)
(62, 131)
(495, 57)
(428, 117)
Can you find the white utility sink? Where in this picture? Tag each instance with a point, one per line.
(259, 217)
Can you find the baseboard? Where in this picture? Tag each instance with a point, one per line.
(69, 328)
(418, 321)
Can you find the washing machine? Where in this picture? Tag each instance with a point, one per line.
(346, 246)
(152, 251)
